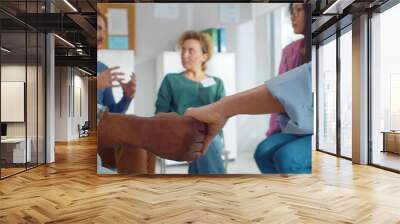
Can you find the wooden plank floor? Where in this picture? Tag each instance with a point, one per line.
(70, 191)
(10, 171)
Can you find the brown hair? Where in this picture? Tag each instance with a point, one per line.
(306, 48)
(307, 33)
(102, 16)
(204, 40)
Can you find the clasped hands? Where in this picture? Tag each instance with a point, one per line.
(168, 135)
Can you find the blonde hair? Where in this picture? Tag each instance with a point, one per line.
(205, 41)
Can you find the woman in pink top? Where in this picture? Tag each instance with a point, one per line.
(275, 154)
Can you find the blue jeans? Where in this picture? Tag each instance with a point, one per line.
(284, 153)
(211, 162)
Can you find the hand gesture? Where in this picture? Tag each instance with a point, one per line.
(129, 88)
(106, 78)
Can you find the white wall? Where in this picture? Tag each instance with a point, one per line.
(16, 73)
(247, 38)
(67, 81)
(251, 39)
(33, 126)
(61, 103)
(80, 83)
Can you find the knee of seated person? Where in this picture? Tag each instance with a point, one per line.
(264, 166)
(257, 152)
(283, 154)
(262, 147)
(257, 156)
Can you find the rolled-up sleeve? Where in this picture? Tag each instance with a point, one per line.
(293, 90)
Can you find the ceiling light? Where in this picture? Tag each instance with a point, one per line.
(70, 5)
(86, 72)
(65, 41)
(5, 50)
(337, 7)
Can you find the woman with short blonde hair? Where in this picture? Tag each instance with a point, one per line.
(193, 88)
(205, 41)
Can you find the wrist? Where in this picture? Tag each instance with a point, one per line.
(129, 98)
(223, 109)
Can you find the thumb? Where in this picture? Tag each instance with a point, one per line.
(207, 142)
(188, 111)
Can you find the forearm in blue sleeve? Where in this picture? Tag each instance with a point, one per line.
(120, 107)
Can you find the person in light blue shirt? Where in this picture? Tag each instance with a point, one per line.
(289, 151)
(280, 151)
(290, 95)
